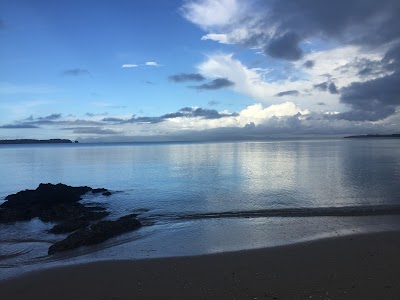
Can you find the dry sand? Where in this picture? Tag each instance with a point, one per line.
(351, 267)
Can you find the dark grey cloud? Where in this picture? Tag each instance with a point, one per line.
(183, 77)
(332, 88)
(215, 84)
(50, 120)
(379, 113)
(367, 23)
(321, 86)
(364, 67)
(213, 103)
(204, 113)
(285, 46)
(185, 112)
(18, 126)
(327, 87)
(75, 72)
(309, 64)
(372, 100)
(139, 120)
(50, 117)
(321, 103)
(111, 119)
(91, 130)
(288, 93)
(357, 21)
(378, 98)
(58, 122)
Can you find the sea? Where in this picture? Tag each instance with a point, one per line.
(203, 198)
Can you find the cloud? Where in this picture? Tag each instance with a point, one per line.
(56, 120)
(204, 113)
(152, 64)
(129, 66)
(18, 126)
(348, 50)
(210, 13)
(322, 86)
(49, 117)
(288, 93)
(286, 46)
(183, 77)
(96, 114)
(332, 88)
(309, 64)
(92, 130)
(248, 81)
(215, 84)
(113, 119)
(374, 99)
(75, 72)
(283, 28)
(213, 103)
(256, 122)
(327, 87)
(185, 112)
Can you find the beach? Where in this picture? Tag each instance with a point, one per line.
(364, 266)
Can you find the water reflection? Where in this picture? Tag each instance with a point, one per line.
(219, 176)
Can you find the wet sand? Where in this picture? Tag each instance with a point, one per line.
(351, 267)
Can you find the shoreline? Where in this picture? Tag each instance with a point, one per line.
(352, 266)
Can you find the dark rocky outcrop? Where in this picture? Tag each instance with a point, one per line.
(100, 190)
(103, 191)
(60, 203)
(52, 203)
(69, 226)
(96, 233)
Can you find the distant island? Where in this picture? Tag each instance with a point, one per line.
(32, 141)
(372, 136)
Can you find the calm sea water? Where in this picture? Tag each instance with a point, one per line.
(255, 185)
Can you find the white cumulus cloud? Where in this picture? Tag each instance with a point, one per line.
(152, 64)
(210, 13)
(128, 66)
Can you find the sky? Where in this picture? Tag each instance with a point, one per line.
(198, 70)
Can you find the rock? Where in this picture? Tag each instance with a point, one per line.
(100, 190)
(106, 193)
(96, 233)
(69, 226)
(49, 202)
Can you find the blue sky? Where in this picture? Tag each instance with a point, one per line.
(197, 70)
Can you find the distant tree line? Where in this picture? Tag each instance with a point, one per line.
(33, 141)
(368, 136)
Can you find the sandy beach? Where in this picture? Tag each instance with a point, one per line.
(351, 267)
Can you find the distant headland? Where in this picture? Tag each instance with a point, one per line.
(32, 141)
(372, 136)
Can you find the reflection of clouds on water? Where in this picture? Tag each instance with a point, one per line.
(267, 166)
